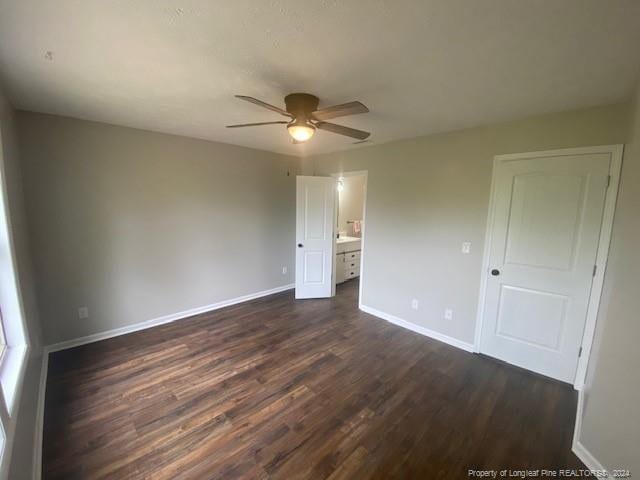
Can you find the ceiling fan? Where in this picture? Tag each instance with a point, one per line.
(305, 118)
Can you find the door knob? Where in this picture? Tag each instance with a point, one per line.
(300, 245)
(495, 272)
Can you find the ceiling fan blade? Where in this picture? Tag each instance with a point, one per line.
(264, 105)
(257, 124)
(351, 108)
(341, 130)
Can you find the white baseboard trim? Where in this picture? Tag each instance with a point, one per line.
(37, 440)
(587, 457)
(577, 447)
(468, 347)
(162, 320)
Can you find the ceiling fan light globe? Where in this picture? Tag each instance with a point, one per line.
(301, 132)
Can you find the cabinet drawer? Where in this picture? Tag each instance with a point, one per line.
(352, 264)
(353, 273)
(352, 256)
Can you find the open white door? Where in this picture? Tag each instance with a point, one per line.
(315, 236)
(547, 216)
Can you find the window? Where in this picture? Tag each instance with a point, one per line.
(13, 333)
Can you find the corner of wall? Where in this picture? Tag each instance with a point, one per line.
(20, 441)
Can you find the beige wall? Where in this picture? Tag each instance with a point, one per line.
(611, 418)
(136, 225)
(19, 448)
(351, 202)
(426, 196)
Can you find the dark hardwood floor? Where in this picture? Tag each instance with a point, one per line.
(277, 388)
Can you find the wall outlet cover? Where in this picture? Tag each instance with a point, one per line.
(448, 314)
(83, 312)
(414, 304)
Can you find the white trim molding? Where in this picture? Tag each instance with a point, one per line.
(37, 437)
(615, 167)
(96, 337)
(468, 347)
(577, 447)
(602, 257)
(37, 450)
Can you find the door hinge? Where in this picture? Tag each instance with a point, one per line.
(595, 269)
(580, 352)
(608, 181)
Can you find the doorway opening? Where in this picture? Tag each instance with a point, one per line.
(350, 230)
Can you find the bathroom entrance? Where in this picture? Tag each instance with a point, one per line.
(350, 228)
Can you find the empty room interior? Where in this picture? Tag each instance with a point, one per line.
(283, 239)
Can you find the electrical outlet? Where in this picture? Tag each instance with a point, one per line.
(466, 247)
(284, 270)
(448, 314)
(83, 312)
(414, 303)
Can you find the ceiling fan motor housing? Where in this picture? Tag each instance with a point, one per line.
(301, 105)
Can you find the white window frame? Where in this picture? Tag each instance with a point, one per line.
(16, 335)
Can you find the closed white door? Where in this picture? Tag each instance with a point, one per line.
(547, 216)
(315, 236)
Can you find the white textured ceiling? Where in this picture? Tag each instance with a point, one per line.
(420, 66)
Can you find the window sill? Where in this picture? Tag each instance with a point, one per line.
(12, 373)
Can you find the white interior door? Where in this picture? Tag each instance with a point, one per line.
(547, 216)
(315, 236)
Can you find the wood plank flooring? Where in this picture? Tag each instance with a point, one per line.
(278, 388)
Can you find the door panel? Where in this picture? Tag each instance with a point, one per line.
(313, 267)
(531, 316)
(315, 238)
(544, 220)
(546, 226)
(315, 211)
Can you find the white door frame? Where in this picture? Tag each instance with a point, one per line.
(365, 174)
(601, 257)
